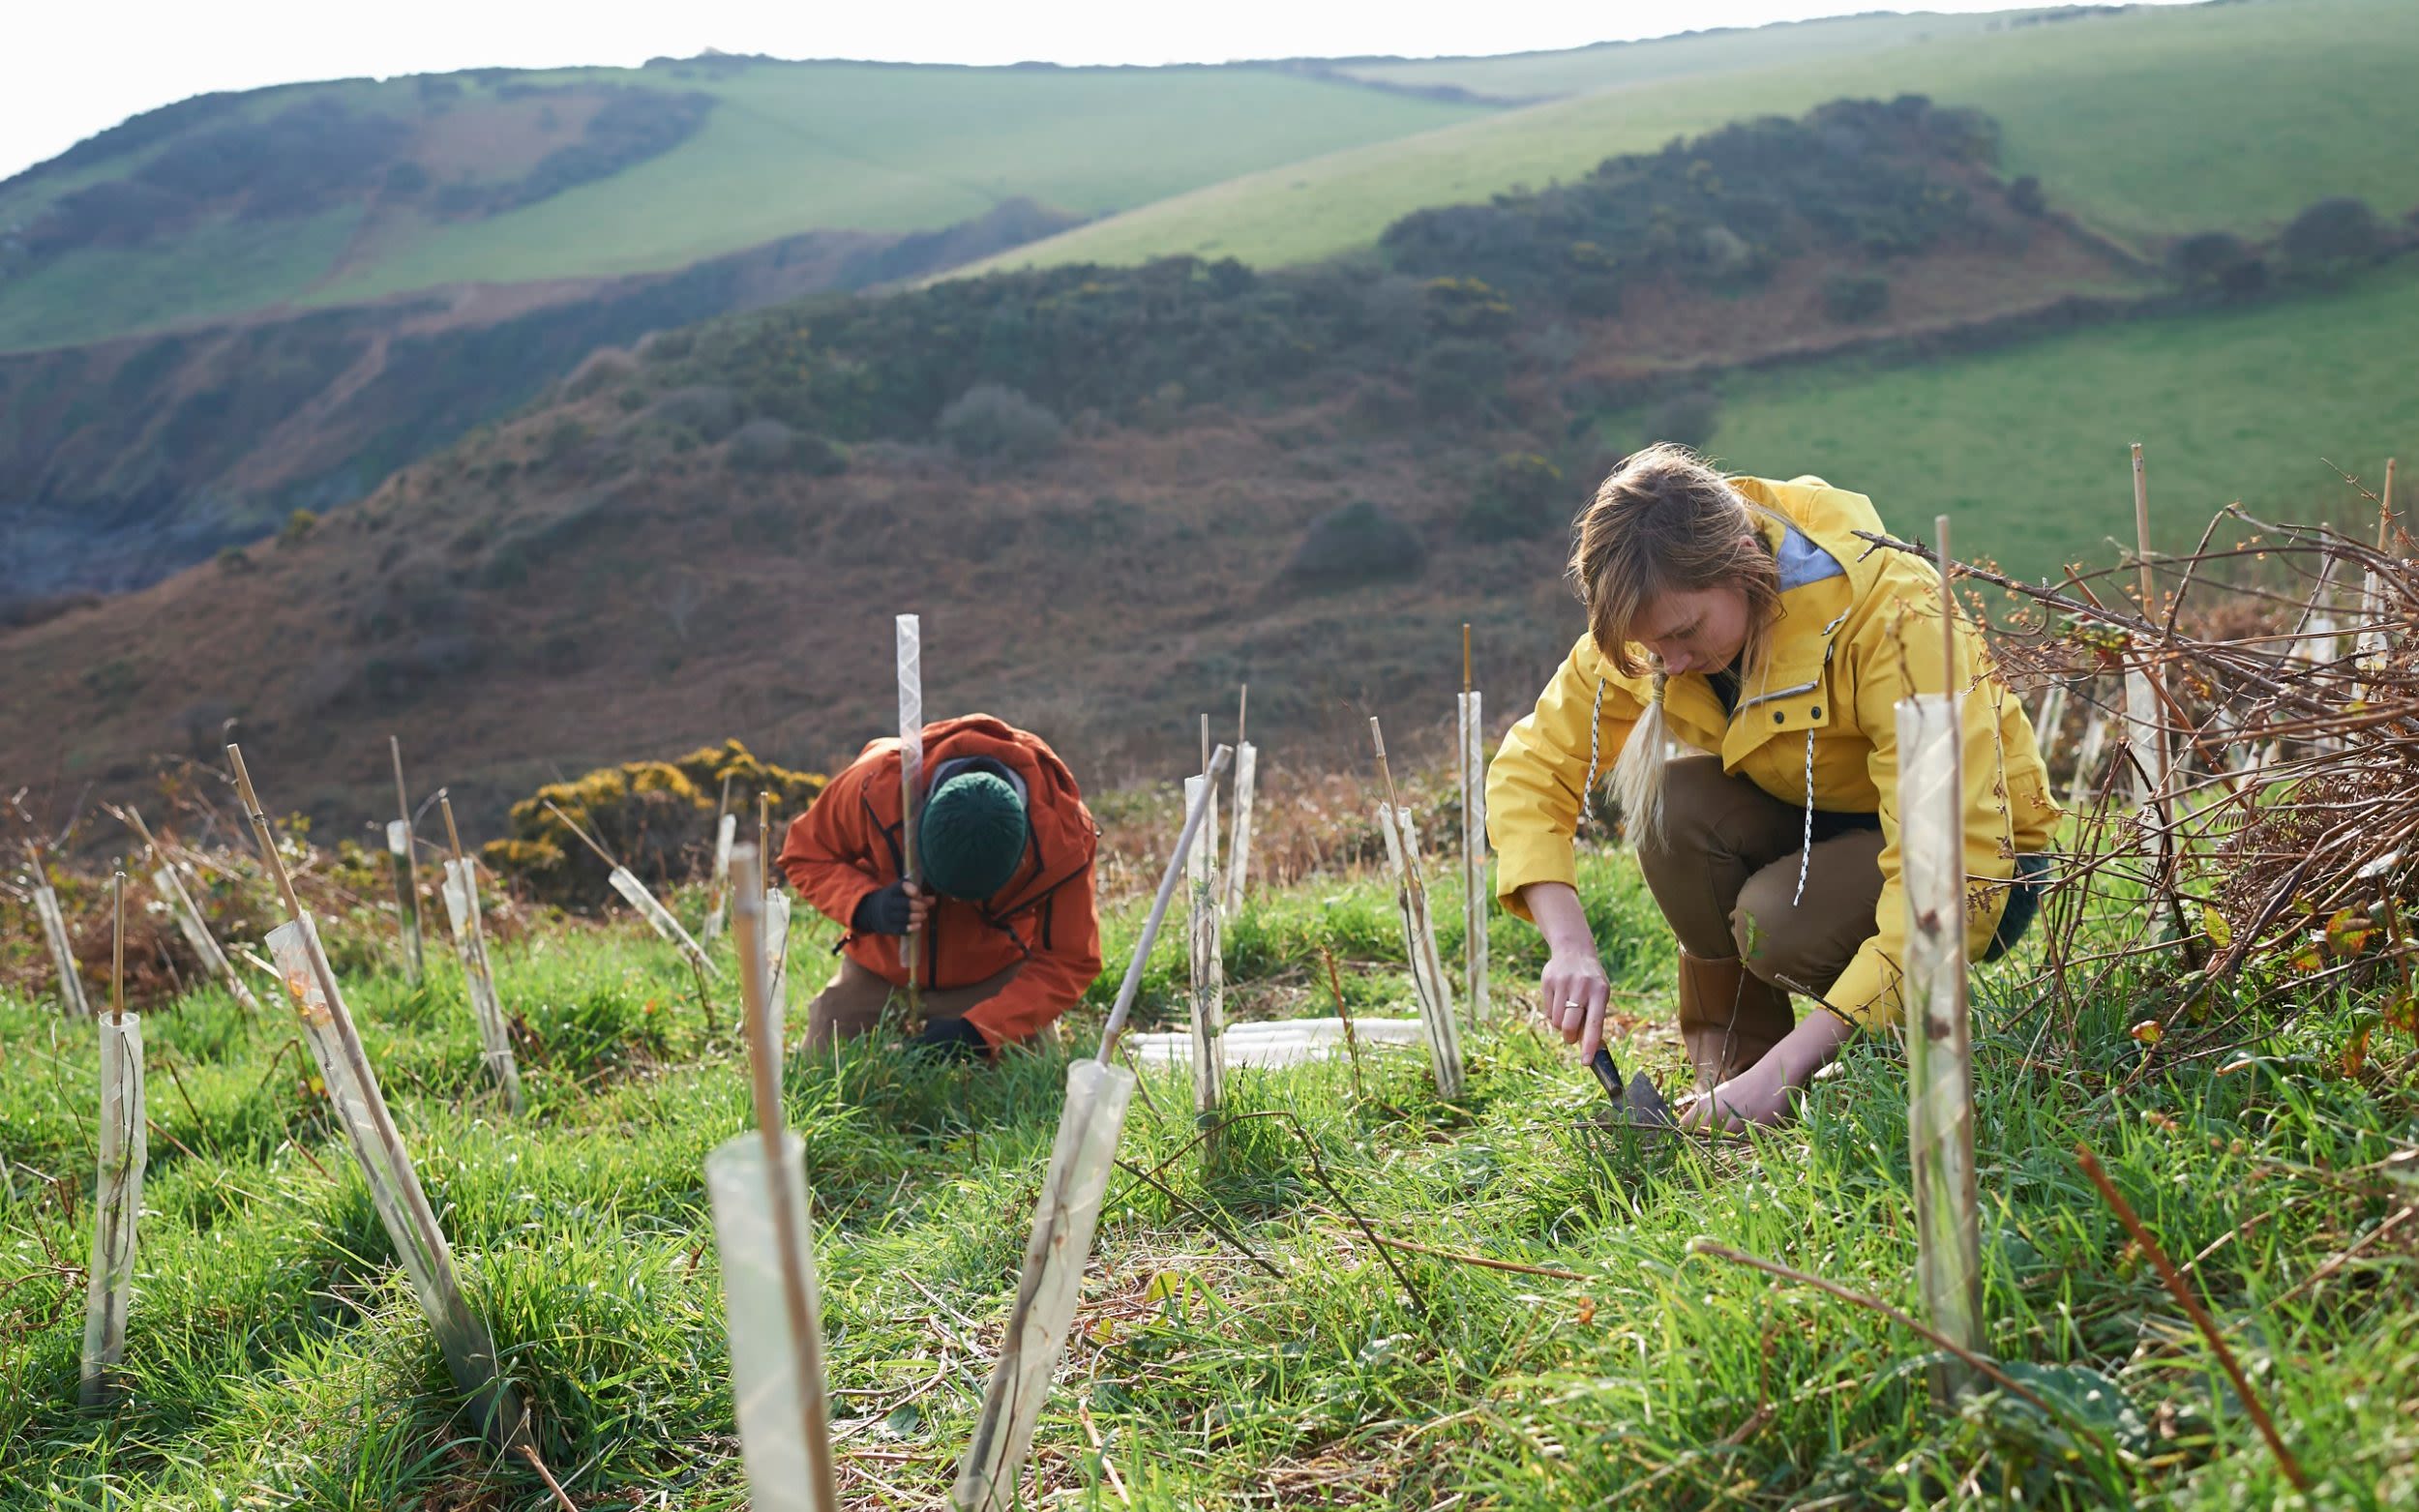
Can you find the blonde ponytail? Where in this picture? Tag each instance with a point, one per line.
(1638, 771)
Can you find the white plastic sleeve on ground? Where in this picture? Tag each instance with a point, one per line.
(1208, 975)
(395, 1191)
(1940, 1090)
(1056, 1254)
(1239, 847)
(636, 893)
(777, 963)
(1427, 975)
(118, 1199)
(62, 954)
(764, 1384)
(1285, 1041)
(462, 911)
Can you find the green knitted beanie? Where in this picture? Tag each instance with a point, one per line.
(972, 836)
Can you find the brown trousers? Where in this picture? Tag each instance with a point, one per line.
(853, 1004)
(1724, 870)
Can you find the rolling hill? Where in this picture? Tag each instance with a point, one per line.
(354, 190)
(1114, 493)
(2149, 123)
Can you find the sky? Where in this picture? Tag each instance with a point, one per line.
(69, 70)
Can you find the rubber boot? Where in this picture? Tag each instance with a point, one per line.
(1729, 1018)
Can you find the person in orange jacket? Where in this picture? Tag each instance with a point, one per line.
(1009, 933)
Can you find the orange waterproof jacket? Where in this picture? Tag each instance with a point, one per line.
(846, 844)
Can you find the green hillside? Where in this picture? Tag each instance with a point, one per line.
(2153, 121)
(1581, 70)
(357, 189)
(2026, 448)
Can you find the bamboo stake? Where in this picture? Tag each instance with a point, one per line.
(1060, 1245)
(776, 923)
(1940, 1077)
(1207, 997)
(119, 1188)
(188, 920)
(770, 1292)
(2173, 1281)
(911, 657)
(718, 887)
(463, 913)
(395, 1191)
(1475, 895)
(1411, 899)
(71, 1001)
(1246, 785)
(1210, 827)
(406, 869)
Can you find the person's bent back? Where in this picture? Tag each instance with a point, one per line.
(1007, 933)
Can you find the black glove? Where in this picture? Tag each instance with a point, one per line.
(882, 911)
(950, 1039)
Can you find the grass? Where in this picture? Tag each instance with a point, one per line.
(2026, 447)
(798, 147)
(1581, 70)
(221, 269)
(274, 1355)
(2162, 120)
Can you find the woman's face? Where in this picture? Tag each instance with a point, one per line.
(1700, 631)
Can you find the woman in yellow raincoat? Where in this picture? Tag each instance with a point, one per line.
(1744, 653)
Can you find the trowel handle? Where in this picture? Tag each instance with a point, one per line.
(1602, 1063)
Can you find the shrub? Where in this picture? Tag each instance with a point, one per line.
(1522, 497)
(2024, 197)
(992, 421)
(1358, 542)
(603, 367)
(297, 527)
(1852, 298)
(2332, 233)
(656, 817)
(2217, 259)
(707, 409)
(236, 559)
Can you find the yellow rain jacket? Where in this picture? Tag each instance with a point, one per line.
(1859, 630)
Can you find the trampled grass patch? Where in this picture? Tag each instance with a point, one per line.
(276, 1355)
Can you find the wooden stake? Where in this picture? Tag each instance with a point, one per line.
(189, 917)
(806, 1335)
(1128, 989)
(395, 1190)
(1427, 969)
(2173, 1281)
(462, 912)
(2141, 535)
(72, 1000)
(406, 870)
(117, 946)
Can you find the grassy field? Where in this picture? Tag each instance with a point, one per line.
(276, 1358)
(794, 147)
(788, 148)
(2158, 121)
(2026, 447)
(1582, 71)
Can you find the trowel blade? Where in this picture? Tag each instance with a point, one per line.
(1645, 1104)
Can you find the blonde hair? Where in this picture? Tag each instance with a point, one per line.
(1663, 521)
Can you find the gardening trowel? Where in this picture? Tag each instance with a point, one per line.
(1638, 1104)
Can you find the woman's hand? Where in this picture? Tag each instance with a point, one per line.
(1761, 1093)
(1572, 989)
